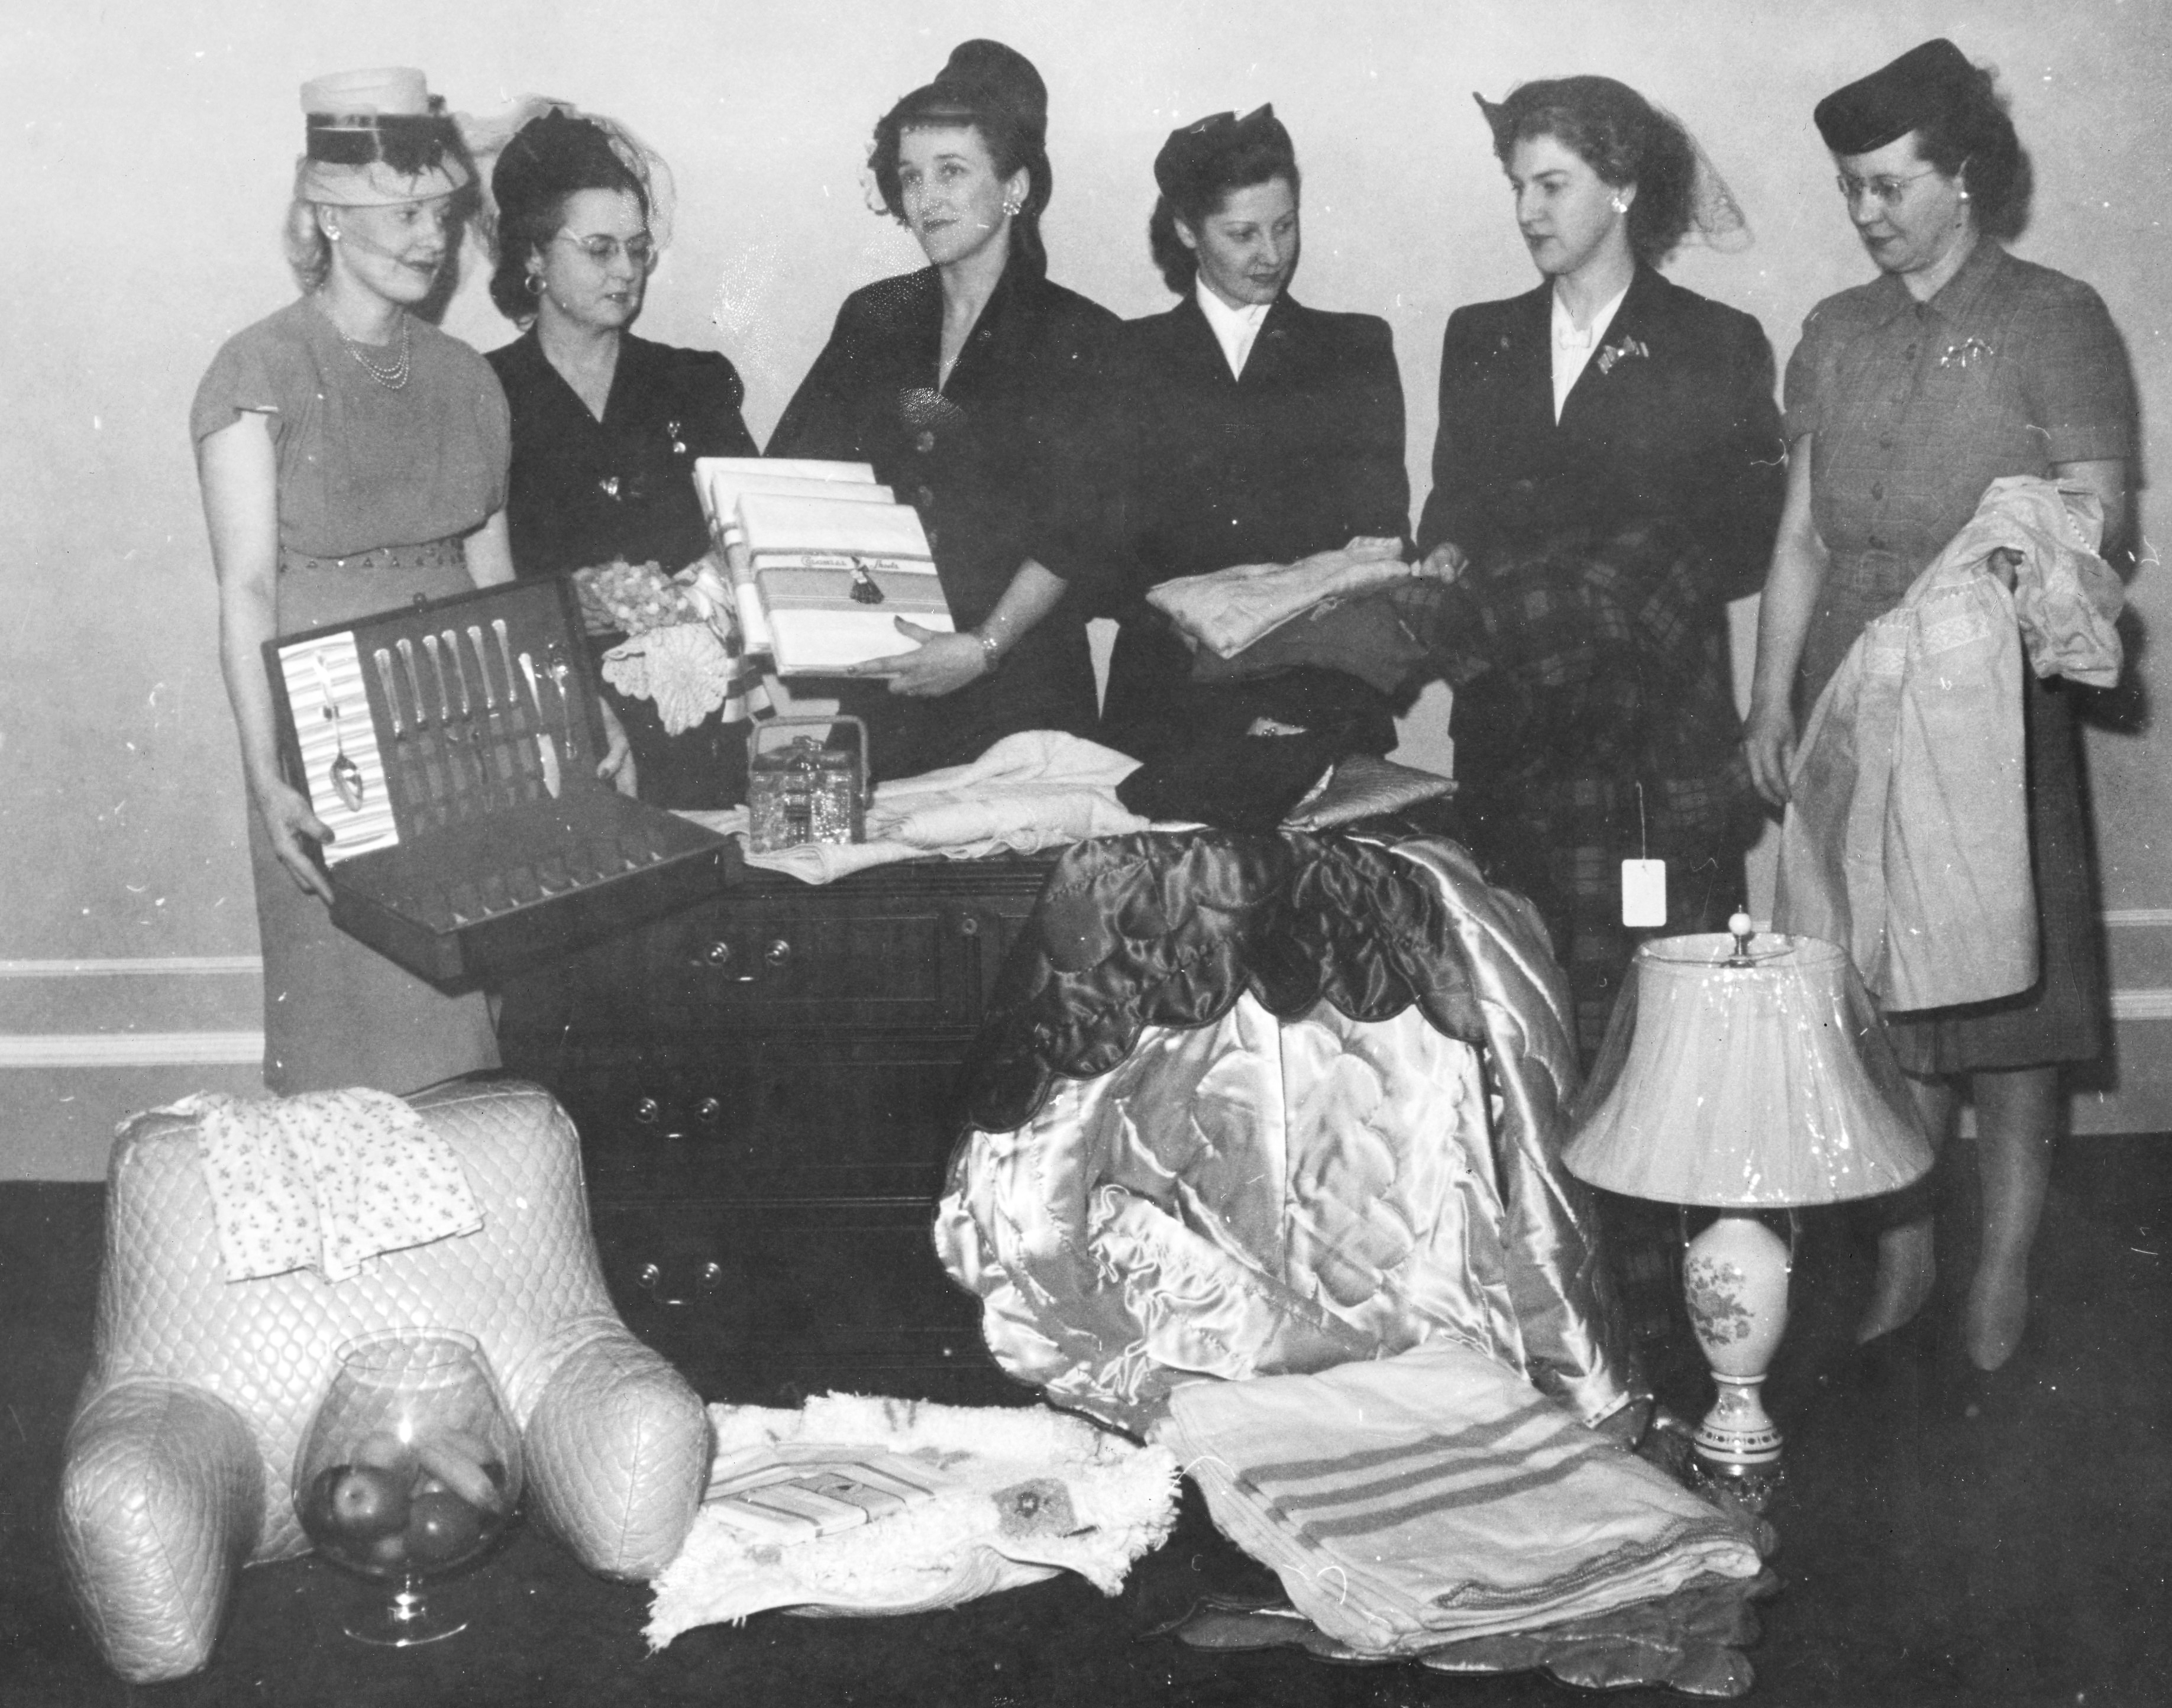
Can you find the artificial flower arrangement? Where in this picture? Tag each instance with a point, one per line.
(682, 641)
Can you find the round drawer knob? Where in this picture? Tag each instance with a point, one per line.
(709, 1111)
(778, 953)
(649, 1278)
(718, 954)
(648, 1111)
(970, 925)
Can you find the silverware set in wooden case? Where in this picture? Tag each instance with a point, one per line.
(465, 742)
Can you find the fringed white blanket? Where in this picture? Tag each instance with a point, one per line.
(1020, 1493)
(1437, 1495)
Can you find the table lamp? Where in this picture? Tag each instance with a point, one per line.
(1747, 1073)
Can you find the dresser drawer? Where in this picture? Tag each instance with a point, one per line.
(768, 1307)
(870, 964)
(668, 1117)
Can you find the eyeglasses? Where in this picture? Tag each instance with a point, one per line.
(1884, 189)
(640, 249)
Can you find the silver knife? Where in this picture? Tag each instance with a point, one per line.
(454, 774)
(414, 681)
(460, 673)
(445, 696)
(482, 665)
(392, 694)
(505, 652)
(552, 779)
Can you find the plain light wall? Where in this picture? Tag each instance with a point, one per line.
(149, 148)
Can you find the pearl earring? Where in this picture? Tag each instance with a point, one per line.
(1013, 209)
(1619, 206)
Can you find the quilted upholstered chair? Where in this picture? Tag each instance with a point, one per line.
(184, 1437)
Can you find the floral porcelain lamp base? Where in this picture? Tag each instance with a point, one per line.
(1735, 1276)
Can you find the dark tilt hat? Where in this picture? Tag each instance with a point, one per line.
(982, 74)
(1192, 148)
(1922, 85)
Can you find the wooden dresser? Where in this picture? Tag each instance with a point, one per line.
(767, 1088)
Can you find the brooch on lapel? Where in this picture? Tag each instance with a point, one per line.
(1965, 353)
(1608, 354)
(675, 432)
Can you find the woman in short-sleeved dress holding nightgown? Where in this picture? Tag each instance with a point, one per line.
(352, 457)
(1905, 400)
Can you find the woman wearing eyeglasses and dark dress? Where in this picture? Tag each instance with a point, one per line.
(606, 425)
(1240, 426)
(965, 385)
(1906, 399)
(1607, 475)
(352, 457)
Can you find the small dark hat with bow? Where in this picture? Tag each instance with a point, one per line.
(1193, 151)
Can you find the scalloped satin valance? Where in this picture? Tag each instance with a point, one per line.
(1170, 929)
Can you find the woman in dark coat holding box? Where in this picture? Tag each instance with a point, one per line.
(1907, 398)
(1607, 475)
(1239, 427)
(965, 385)
(352, 457)
(605, 425)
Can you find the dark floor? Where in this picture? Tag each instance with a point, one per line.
(2017, 1556)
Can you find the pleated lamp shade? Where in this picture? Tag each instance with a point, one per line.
(1767, 1083)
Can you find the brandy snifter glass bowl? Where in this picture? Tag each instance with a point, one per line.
(410, 1470)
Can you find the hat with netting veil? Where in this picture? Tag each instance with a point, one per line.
(377, 137)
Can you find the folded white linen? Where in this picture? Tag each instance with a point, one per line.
(1230, 610)
(1034, 789)
(1435, 1495)
(324, 1181)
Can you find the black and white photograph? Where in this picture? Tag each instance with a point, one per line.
(1229, 854)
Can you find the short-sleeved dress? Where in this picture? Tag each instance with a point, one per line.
(1915, 409)
(586, 490)
(377, 487)
(990, 458)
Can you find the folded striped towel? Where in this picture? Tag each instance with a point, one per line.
(1436, 1495)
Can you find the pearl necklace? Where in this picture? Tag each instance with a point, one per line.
(390, 376)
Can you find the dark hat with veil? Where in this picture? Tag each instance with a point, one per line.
(1921, 86)
(376, 137)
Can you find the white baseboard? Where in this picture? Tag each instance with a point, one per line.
(97, 1049)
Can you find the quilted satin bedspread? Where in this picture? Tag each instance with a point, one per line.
(1261, 1105)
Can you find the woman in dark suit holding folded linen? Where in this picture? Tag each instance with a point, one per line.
(1608, 475)
(963, 384)
(1239, 427)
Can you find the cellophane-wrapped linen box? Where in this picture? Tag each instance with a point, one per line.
(450, 746)
(824, 562)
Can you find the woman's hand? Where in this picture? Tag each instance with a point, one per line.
(1445, 562)
(617, 767)
(1769, 738)
(942, 664)
(287, 819)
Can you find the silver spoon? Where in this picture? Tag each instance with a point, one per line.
(561, 671)
(346, 775)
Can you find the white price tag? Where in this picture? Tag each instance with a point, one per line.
(1644, 892)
